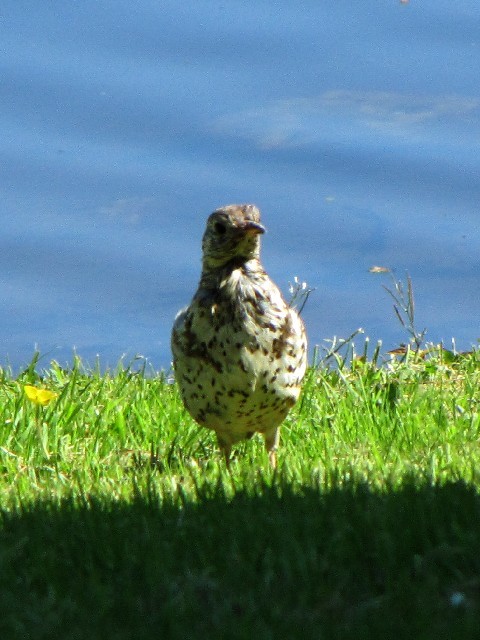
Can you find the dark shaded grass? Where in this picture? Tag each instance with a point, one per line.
(119, 520)
(269, 562)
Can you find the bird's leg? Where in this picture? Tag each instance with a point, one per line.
(272, 441)
(272, 458)
(226, 453)
(226, 449)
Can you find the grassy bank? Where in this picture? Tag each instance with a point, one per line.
(119, 519)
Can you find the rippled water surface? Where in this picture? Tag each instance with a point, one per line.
(354, 126)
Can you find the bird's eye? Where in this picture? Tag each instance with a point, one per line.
(220, 228)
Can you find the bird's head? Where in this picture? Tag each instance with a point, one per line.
(232, 233)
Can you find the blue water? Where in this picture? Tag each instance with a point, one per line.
(355, 126)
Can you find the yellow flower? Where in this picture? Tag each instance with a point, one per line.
(39, 396)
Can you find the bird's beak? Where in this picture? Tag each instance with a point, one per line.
(253, 228)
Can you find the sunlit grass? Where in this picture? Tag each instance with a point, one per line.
(119, 515)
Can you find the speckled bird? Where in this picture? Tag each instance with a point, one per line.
(239, 350)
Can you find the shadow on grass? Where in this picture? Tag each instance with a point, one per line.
(349, 562)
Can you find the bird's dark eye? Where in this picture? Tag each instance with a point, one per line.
(220, 228)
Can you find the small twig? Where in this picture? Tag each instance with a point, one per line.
(404, 308)
(300, 292)
(338, 344)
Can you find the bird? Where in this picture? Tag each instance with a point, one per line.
(239, 350)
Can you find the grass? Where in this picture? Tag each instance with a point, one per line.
(119, 520)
